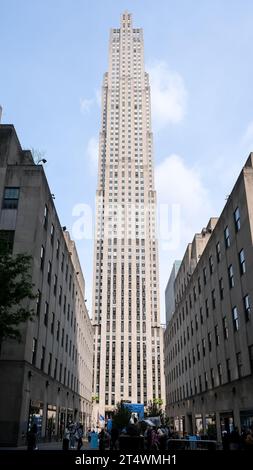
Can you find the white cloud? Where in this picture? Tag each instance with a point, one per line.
(168, 95)
(92, 152)
(180, 184)
(85, 104)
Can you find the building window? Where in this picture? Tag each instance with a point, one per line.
(212, 377)
(246, 304)
(231, 276)
(242, 262)
(239, 364)
(225, 327)
(237, 219)
(209, 337)
(211, 264)
(34, 351)
(42, 361)
(52, 323)
(42, 257)
(49, 364)
(49, 272)
(11, 196)
(220, 374)
(38, 302)
(235, 319)
(227, 237)
(228, 366)
(217, 338)
(204, 275)
(207, 308)
(46, 314)
(218, 252)
(213, 299)
(221, 288)
(45, 217)
(204, 347)
(7, 240)
(52, 234)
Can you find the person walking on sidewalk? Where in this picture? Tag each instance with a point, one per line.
(66, 437)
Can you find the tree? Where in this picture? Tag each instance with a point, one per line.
(121, 416)
(154, 407)
(16, 287)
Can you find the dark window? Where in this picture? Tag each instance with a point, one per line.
(213, 299)
(225, 327)
(49, 272)
(221, 288)
(228, 370)
(42, 257)
(246, 304)
(209, 337)
(52, 323)
(45, 216)
(7, 240)
(199, 285)
(55, 284)
(11, 196)
(219, 373)
(49, 364)
(231, 276)
(198, 352)
(46, 313)
(38, 302)
(58, 331)
(201, 315)
(55, 368)
(217, 338)
(239, 364)
(207, 307)
(227, 237)
(42, 361)
(237, 219)
(218, 252)
(62, 262)
(34, 351)
(242, 262)
(204, 347)
(235, 318)
(60, 295)
(57, 249)
(211, 264)
(52, 234)
(212, 377)
(204, 275)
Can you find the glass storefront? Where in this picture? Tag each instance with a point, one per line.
(210, 426)
(62, 422)
(51, 422)
(199, 424)
(246, 419)
(35, 416)
(227, 422)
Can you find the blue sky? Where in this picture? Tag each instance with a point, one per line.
(199, 53)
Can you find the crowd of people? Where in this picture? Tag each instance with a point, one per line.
(142, 436)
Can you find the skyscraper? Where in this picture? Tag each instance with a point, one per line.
(128, 340)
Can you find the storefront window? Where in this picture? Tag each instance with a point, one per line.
(210, 426)
(199, 424)
(35, 416)
(51, 422)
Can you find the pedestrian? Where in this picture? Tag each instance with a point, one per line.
(79, 437)
(66, 436)
(32, 438)
(93, 439)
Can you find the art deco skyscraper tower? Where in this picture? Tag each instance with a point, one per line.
(128, 340)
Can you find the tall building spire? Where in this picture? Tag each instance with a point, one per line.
(128, 362)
